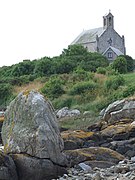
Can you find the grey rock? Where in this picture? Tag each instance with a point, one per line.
(99, 164)
(133, 159)
(84, 167)
(31, 168)
(31, 127)
(125, 147)
(31, 135)
(115, 106)
(97, 176)
(120, 109)
(7, 168)
(62, 112)
(65, 111)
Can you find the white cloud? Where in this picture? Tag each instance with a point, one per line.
(32, 29)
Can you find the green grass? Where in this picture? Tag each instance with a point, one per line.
(129, 78)
(77, 123)
(89, 100)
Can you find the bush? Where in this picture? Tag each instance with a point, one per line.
(5, 94)
(53, 88)
(114, 82)
(110, 71)
(64, 101)
(120, 65)
(101, 70)
(130, 63)
(82, 87)
(129, 91)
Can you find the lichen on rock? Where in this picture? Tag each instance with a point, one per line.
(31, 128)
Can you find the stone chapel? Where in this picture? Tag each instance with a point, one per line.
(104, 40)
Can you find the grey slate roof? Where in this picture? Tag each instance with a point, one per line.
(88, 36)
(116, 51)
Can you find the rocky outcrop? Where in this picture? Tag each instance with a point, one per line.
(7, 168)
(66, 112)
(116, 130)
(99, 154)
(75, 139)
(30, 129)
(123, 109)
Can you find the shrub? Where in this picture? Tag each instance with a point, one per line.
(5, 94)
(82, 87)
(120, 65)
(129, 91)
(64, 101)
(110, 71)
(101, 70)
(114, 82)
(81, 74)
(130, 63)
(53, 88)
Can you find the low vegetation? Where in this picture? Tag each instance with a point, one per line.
(77, 79)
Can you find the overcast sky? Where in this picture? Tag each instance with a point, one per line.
(31, 29)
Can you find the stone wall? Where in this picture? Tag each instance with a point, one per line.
(117, 41)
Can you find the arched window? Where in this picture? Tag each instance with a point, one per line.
(110, 19)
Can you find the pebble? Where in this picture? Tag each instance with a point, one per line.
(124, 170)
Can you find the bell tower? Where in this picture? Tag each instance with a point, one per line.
(108, 21)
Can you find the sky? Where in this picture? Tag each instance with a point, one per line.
(31, 29)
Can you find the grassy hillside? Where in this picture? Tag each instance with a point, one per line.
(76, 79)
(86, 91)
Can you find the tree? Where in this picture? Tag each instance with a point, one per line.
(120, 65)
(130, 62)
(92, 61)
(76, 49)
(53, 88)
(5, 94)
(23, 68)
(62, 65)
(43, 67)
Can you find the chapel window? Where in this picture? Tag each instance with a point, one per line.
(110, 19)
(110, 55)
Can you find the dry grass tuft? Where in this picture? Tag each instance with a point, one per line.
(35, 85)
(101, 78)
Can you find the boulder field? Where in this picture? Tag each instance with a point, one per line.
(34, 148)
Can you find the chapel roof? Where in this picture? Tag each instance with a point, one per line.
(115, 50)
(88, 36)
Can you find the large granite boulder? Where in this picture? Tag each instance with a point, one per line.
(7, 168)
(30, 128)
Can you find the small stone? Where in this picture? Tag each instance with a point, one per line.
(127, 174)
(133, 159)
(85, 167)
(97, 176)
